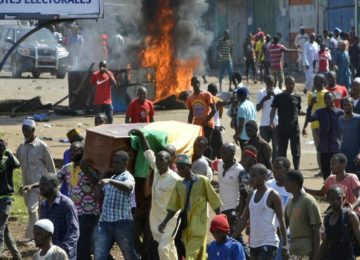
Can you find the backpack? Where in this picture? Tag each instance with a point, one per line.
(347, 233)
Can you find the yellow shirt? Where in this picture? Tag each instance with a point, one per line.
(259, 49)
(202, 194)
(319, 104)
(161, 190)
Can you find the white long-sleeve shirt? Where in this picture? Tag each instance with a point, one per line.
(301, 39)
(310, 50)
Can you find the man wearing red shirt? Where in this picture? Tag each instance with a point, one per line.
(276, 51)
(339, 91)
(140, 110)
(102, 80)
(322, 60)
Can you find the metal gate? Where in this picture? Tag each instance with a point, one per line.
(341, 13)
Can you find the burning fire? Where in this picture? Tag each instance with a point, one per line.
(172, 75)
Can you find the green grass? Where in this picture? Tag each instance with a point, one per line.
(19, 209)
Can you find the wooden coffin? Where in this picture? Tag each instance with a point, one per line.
(103, 141)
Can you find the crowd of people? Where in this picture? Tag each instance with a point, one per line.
(79, 212)
(263, 55)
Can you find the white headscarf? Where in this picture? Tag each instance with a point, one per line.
(45, 224)
(29, 122)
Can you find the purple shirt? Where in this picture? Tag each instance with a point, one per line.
(330, 138)
(66, 225)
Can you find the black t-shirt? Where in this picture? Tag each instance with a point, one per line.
(288, 107)
(7, 166)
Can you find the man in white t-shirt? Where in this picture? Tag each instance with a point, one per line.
(200, 164)
(264, 100)
(228, 170)
(281, 166)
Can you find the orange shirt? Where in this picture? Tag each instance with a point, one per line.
(200, 106)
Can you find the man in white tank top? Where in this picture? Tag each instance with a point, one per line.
(262, 209)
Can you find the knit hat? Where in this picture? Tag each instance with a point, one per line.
(242, 92)
(29, 122)
(183, 158)
(45, 224)
(74, 133)
(220, 223)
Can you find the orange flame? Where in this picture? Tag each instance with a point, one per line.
(172, 75)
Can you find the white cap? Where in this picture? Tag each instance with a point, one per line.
(301, 27)
(45, 224)
(29, 122)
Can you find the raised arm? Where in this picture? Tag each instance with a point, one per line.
(316, 193)
(126, 186)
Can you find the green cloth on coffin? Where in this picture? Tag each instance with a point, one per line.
(157, 141)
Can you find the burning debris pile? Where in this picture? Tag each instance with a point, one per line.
(175, 44)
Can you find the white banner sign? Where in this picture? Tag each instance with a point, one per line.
(50, 9)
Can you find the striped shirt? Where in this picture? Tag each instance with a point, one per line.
(276, 51)
(116, 205)
(224, 50)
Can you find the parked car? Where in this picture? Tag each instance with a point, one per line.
(39, 53)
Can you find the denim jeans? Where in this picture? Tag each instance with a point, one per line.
(107, 233)
(5, 235)
(87, 225)
(225, 66)
(107, 109)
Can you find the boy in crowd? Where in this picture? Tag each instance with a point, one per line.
(43, 231)
(347, 181)
(223, 247)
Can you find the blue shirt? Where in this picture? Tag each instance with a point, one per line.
(66, 160)
(246, 110)
(116, 204)
(63, 215)
(230, 250)
(329, 129)
(350, 145)
(343, 74)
